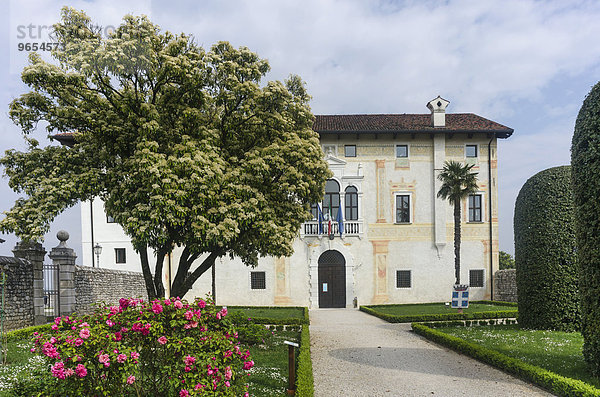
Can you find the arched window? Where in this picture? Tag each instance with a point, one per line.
(331, 201)
(351, 204)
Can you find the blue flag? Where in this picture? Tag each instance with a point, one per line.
(320, 216)
(340, 220)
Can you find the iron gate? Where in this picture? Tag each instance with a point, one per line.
(51, 291)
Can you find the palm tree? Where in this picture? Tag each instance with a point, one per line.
(458, 182)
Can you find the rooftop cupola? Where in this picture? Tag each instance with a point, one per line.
(438, 111)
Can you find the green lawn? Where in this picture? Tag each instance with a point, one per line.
(277, 313)
(269, 376)
(559, 352)
(438, 308)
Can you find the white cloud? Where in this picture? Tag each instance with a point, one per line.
(503, 60)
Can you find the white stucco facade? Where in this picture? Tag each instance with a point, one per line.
(376, 247)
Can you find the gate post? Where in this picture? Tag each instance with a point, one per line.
(64, 257)
(34, 253)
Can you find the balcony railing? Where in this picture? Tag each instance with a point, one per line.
(351, 228)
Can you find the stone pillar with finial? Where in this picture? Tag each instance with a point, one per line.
(34, 253)
(64, 257)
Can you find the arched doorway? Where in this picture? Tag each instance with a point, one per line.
(332, 279)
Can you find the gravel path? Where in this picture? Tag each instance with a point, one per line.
(355, 354)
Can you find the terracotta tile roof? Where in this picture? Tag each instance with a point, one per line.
(406, 123)
(385, 123)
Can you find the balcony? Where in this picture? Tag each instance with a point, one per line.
(351, 228)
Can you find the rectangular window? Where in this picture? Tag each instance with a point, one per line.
(403, 279)
(403, 208)
(476, 278)
(258, 280)
(120, 255)
(350, 150)
(471, 151)
(401, 151)
(110, 219)
(475, 208)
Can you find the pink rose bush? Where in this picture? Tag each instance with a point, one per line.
(159, 348)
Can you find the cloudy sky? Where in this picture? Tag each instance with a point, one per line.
(525, 64)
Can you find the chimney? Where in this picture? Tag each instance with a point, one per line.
(438, 111)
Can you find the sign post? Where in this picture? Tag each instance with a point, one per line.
(291, 390)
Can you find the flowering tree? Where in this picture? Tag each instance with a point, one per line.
(160, 348)
(184, 146)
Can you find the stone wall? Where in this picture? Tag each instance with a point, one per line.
(505, 285)
(18, 294)
(95, 285)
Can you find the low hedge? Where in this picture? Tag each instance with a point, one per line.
(554, 383)
(471, 323)
(26, 333)
(393, 318)
(305, 386)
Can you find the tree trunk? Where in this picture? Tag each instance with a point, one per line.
(457, 241)
(184, 281)
(150, 288)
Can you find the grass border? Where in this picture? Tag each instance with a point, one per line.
(278, 321)
(410, 318)
(305, 383)
(554, 383)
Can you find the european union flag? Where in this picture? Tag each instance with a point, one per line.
(340, 220)
(320, 216)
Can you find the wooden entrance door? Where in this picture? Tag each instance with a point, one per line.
(332, 279)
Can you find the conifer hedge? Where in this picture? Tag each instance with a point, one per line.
(545, 255)
(585, 160)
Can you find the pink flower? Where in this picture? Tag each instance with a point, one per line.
(228, 353)
(109, 323)
(118, 336)
(114, 310)
(248, 365)
(228, 373)
(81, 371)
(184, 393)
(84, 333)
(130, 379)
(78, 342)
(188, 369)
(58, 370)
(54, 327)
(199, 386)
(162, 340)
(135, 355)
(189, 315)
(202, 304)
(227, 384)
(69, 372)
(157, 308)
(57, 320)
(121, 358)
(189, 360)
(178, 304)
(103, 358)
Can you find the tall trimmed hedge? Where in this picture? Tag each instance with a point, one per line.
(585, 159)
(545, 254)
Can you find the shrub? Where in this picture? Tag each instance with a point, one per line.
(557, 384)
(547, 277)
(161, 348)
(304, 377)
(585, 160)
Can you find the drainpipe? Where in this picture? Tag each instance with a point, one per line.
(490, 216)
(92, 227)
